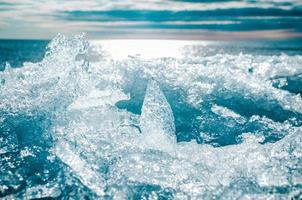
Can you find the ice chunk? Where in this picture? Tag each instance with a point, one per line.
(49, 190)
(157, 120)
(227, 113)
(156, 111)
(98, 98)
(81, 168)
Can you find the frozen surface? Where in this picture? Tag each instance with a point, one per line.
(83, 124)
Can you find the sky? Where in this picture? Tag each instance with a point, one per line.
(153, 19)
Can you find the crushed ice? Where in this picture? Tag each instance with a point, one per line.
(248, 131)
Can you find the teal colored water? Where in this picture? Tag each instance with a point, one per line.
(140, 119)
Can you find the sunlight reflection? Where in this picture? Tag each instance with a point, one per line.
(121, 49)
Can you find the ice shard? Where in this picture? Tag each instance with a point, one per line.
(157, 118)
(89, 177)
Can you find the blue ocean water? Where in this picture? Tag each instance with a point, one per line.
(139, 119)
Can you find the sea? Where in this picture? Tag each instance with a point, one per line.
(150, 119)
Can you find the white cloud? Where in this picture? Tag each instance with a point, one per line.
(44, 13)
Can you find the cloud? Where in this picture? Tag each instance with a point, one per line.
(165, 15)
(2, 3)
(174, 16)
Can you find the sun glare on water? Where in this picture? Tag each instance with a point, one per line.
(148, 49)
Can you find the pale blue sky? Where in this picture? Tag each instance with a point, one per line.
(155, 19)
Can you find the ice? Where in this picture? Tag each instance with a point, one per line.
(157, 120)
(98, 98)
(227, 113)
(59, 72)
(112, 151)
(209, 168)
(49, 190)
(88, 177)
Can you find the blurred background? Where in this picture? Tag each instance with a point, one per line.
(223, 26)
(153, 19)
